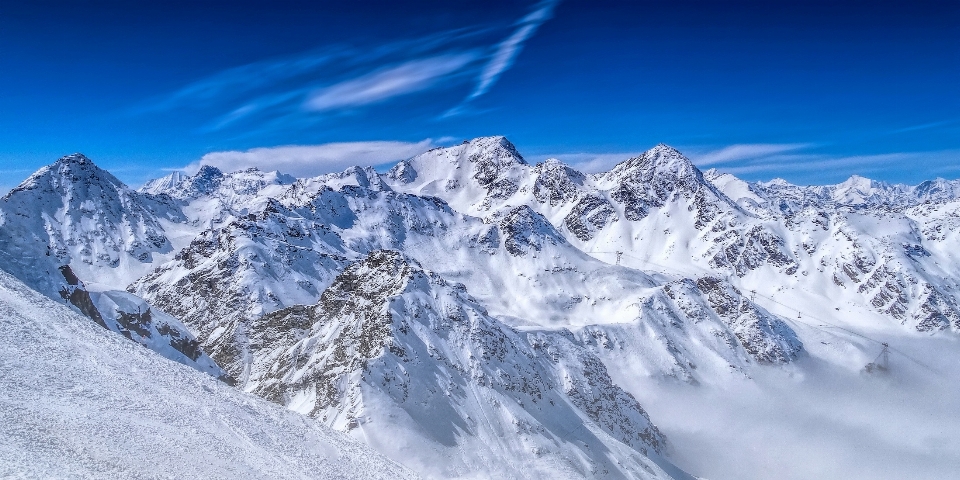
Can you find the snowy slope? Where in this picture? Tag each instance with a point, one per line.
(412, 364)
(79, 402)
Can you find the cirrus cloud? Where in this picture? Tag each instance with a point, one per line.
(508, 50)
(409, 77)
(298, 91)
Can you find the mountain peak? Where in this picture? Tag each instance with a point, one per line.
(179, 185)
(497, 145)
(72, 169)
(856, 180)
(78, 158)
(664, 149)
(206, 179)
(659, 160)
(163, 184)
(78, 162)
(776, 182)
(666, 155)
(209, 171)
(499, 139)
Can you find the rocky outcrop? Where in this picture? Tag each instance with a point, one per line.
(765, 337)
(526, 231)
(387, 336)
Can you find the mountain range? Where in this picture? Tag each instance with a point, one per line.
(466, 313)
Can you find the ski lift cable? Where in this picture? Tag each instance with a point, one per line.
(831, 325)
(883, 351)
(821, 327)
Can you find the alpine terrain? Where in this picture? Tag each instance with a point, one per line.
(466, 313)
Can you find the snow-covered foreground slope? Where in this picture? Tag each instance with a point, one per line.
(79, 402)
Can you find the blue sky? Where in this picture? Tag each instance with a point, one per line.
(809, 91)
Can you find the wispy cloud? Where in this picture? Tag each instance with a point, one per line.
(791, 161)
(303, 69)
(826, 164)
(298, 91)
(311, 160)
(243, 79)
(409, 77)
(508, 50)
(926, 126)
(740, 152)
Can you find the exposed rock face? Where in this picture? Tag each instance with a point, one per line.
(285, 254)
(765, 337)
(231, 275)
(590, 214)
(387, 336)
(749, 249)
(662, 175)
(493, 159)
(76, 294)
(133, 318)
(556, 183)
(526, 231)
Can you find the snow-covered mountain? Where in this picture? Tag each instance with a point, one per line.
(422, 370)
(80, 402)
(862, 237)
(659, 191)
(74, 213)
(855, 193)
(884, 245)
(290, 251)
(468, 313)
(75, 232)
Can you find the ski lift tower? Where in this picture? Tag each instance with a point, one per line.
(881, 364)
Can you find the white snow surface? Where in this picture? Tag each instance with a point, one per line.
(77, 401)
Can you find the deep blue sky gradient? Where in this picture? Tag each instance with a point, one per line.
(810, 91)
